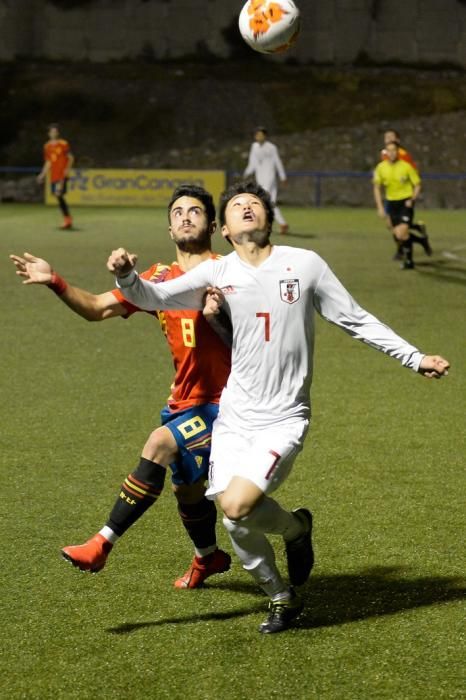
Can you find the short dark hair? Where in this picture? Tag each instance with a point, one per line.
(197, 192)
(246, 187)
(53, 125)
(394, 131)
(261, 128)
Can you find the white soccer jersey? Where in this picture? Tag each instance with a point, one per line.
(266, 165)
(272, 312)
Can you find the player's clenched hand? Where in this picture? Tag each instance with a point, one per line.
(213, 300)
(34, 270)
(381, 212)
(120, 262)
(216, 316)
(434, 366)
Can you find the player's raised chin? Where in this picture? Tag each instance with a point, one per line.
(246, 218)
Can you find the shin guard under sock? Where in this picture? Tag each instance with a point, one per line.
(199, 520)
(138, 492)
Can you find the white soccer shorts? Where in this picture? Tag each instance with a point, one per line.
(265, 457)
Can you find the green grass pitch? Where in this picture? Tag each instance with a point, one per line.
(382, 469)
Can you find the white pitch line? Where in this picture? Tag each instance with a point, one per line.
(452, 254)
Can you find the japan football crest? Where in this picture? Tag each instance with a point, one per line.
(289, 291)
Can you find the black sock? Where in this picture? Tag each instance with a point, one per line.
(417, 227)
(417, 239)
(63, 206)
(408, 251)
(199, 520)
(138, 492)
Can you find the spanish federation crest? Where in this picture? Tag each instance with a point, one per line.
(289, 291)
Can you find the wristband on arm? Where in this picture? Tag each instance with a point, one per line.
(57, 284)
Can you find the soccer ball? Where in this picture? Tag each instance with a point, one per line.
(269, 27)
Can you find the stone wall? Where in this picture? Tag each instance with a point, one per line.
(333, 31)
(340, 149)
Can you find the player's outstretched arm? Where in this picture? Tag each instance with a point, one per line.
(92, 307)
(434, 366)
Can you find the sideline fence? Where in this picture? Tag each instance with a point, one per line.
(322, 188)
(311, 190)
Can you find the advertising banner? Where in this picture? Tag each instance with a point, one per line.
(134, 188)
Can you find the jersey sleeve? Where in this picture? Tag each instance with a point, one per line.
(413, 174)
(334, 303)
(129, 307)
(185, 292)
(376, 178)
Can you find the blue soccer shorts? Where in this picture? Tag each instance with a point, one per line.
(59, 187)
(192, 430)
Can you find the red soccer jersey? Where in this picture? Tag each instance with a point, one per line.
(201, 358)
(403, 154)
(57, 153)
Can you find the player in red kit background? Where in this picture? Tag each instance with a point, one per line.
(58, 161)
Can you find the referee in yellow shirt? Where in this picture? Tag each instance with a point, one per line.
(402, 186)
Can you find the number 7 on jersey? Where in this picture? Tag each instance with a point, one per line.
(266, 316)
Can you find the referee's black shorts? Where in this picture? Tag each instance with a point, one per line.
(399, 212)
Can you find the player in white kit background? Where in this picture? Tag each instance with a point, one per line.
(271, 294)
(266, 165)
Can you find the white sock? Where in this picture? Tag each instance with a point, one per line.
(268, 516)
(269, 579)
(256, 555)
(205, 551)
(285, 595)
(109, 535)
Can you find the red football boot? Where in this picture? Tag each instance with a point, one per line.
(67, 223)
(203, 567)
(90, 556)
